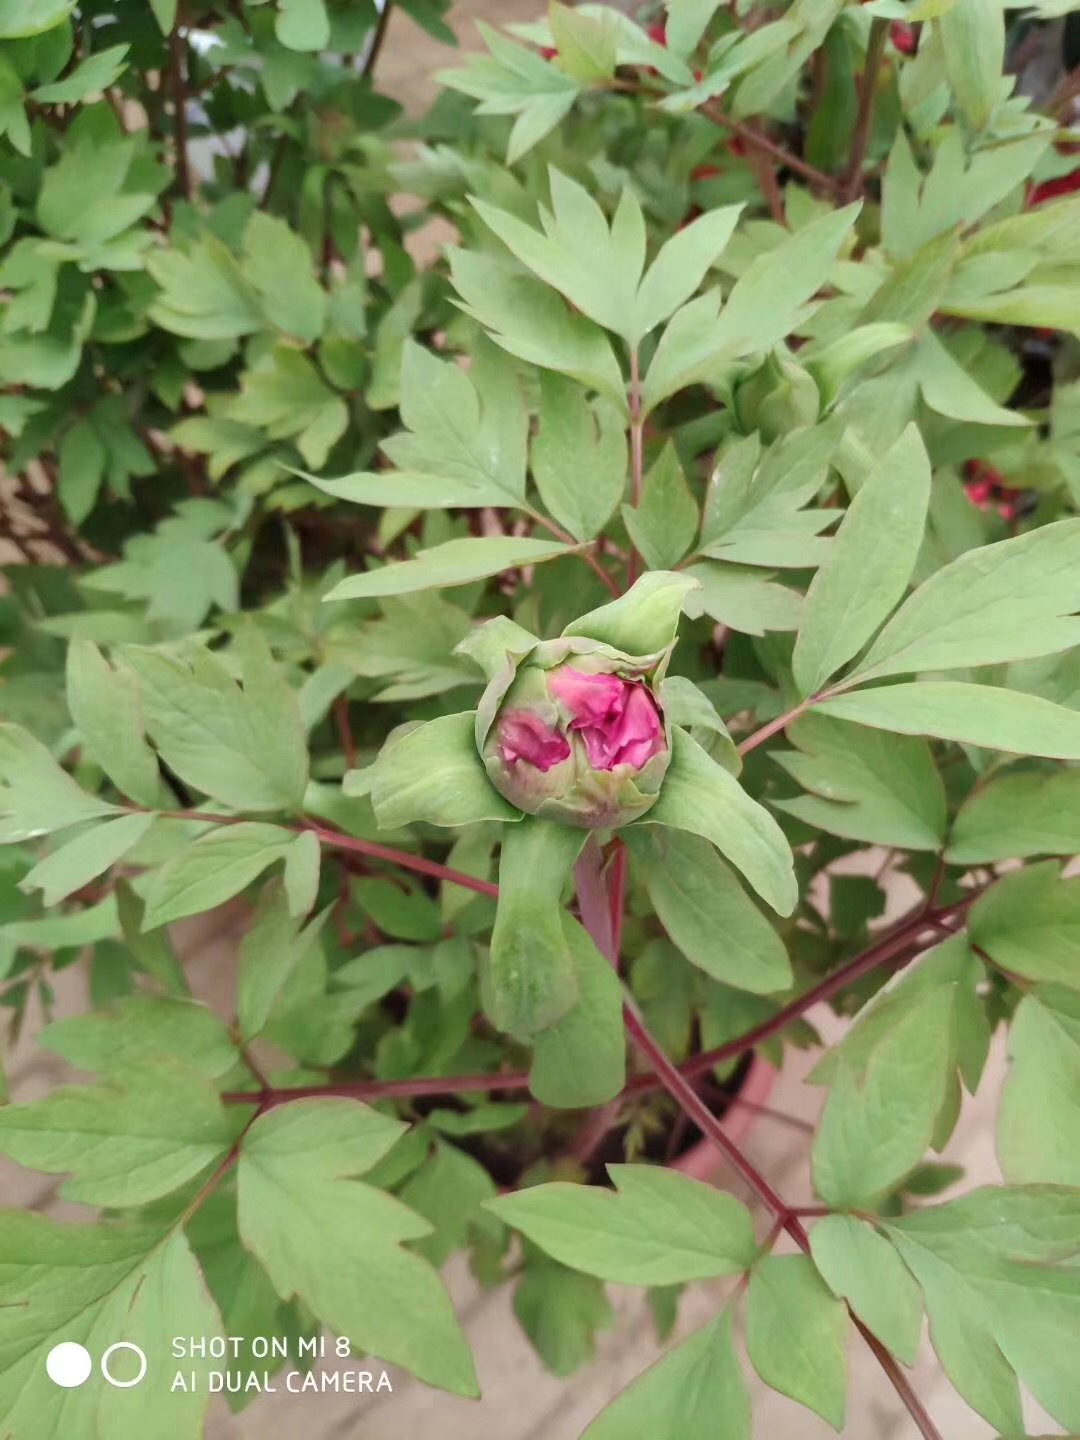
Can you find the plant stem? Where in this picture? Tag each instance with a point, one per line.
(774, 726)
(756, 140)
(335, 840)
(178, 81)
(596, 912)
(637, 448)
(860, 138)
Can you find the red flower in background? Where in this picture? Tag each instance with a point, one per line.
(1050, 189)
(987, 489)
(904, 37)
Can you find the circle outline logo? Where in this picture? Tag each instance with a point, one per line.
(135, 1350)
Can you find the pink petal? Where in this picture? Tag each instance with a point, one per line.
(589, 698)
(524, 736)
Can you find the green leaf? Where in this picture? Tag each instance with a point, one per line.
(664, 523)
(762, 309)
(970, 714)
(700, 796)
(303, 861)
(82, 470)
(212, 869)
(1018, 815)
(644, 620)
(433, 772)
(303, 24)
(61, 932)
(682, 264)
(36, 796)
(578, 458)
(882, 1108)
(92, 76)
(656, 1228)
(457, 562)
(532, 976)
(448, 1190)
(695, 1389)
(586, 45)
(243, 745)
(1038, 1133)
(861, 1267)
(687, 21)
(581, 1059)
(949, 390)
(697, 899)
(795, 1334)
(285, 395)
(465, 442)
(19, 18)
(996, 1296)
(742, 598)
(164, 13)
(96, 1285)
(864, 785)
(527, 319)
(277, 262)
(204, 295)
(81, 860)
(124, 1142)
(269, 953)
(869, 565)
(104, 703)
(1029, 924)
(561, 1310)
(138, 1031)
(973, 44)
(1009, 601)
(337, 1243)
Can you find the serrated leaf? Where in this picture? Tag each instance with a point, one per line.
(242, 745)
(337, 1243)
(656, 1228)
(698, 900)
(270, 951)
(104, 703)
(124, 1142)
(864, 785)
(136, 1283)
(586, 45)
(91, 77)
(278, 264)
(795, 1334)
(700, 796)
(973, 44)
(869, 565)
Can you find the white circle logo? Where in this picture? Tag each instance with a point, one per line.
(69, 1364)
(123, 1345)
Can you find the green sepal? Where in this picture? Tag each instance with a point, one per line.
(433, 772)
(701, 796)
(643, 620)
(531, 979)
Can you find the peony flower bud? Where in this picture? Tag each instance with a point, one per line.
(582, 740)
